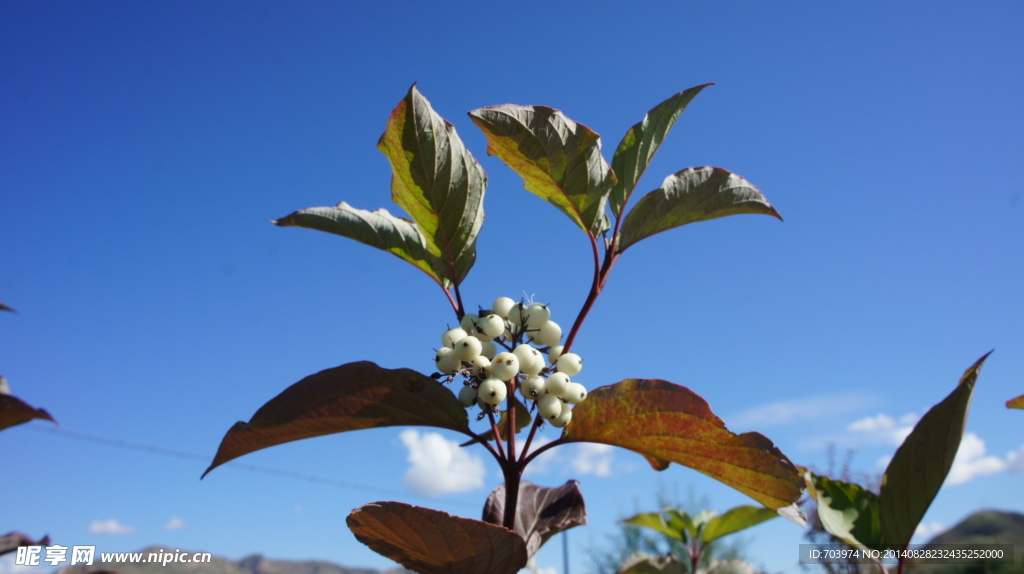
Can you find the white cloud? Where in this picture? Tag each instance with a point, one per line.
(883, 429)
(110, 526)
(440, 466)
(174, 523)
(1015, 461)
(798, 410)
(593, 458)
(971, 462)
(930, 529)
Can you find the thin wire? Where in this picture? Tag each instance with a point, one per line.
(118, 443)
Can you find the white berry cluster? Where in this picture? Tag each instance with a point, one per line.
(492, 351)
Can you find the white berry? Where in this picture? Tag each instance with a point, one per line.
(557, 384)
(452, 336)
(482, 368)
(491, 325)
(505, 366)
(468, 348)
(517, 314)
(554, 353)
(563, 418)
(468, 322)
(569, 363)
(531, 361)
(492, 391)
(549, 406)
(536, 315)
(446, 360)
(501, 306)
(488, 349)
(549, 334)
(575, 393)
(532, 387)
(467, 396)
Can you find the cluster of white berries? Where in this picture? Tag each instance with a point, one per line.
(490, 350)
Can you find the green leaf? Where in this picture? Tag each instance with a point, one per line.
(667, 423)
(734, 520)
(921, 463)
(541, 512)
(14, 411)
(433, 542)
(379, 229)
(1017, 403)
(694, 194)
(436, 181)
(681, 521)
(558, 159)
(656, 521)
(641, 142)
(523, 418)
(847, 511)
(643, 563)
(351, 397)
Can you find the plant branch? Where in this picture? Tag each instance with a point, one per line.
(529, 440)
(497, 437)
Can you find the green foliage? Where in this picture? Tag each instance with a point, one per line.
(1017, 403)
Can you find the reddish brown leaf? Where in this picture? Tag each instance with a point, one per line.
(541, 512)
(14, 411)
(434, 542)
(12, 540)
(350, 397)
(667, 423)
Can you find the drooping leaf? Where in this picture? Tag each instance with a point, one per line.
(667, 423)
(734, 520)
(641, 142)
(436, 181)
(523, 419)
(434, 542)
(14, 411)
(379, 229)
(12, 540)
(644, 563)
(5, 307)
(351, 397)
(847, 511)
(656, 521)
(559, 160)
(921, 463)
(691, 195)
(541, 512)
(1017, 403)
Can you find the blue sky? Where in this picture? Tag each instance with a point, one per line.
(145, 147)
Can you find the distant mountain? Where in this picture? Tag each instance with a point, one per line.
(255, 564)
(983, 527)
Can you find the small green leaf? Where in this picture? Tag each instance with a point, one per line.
(429, 541)
(681, 521)
(14, 411)
(1017, 403)
(541, 512)
(734, 520)
(379, 229)
(921, 463)
(656, 521)
(667, 423)
(641, 142)
(643, 563)
(847, 511)
(351, 397)
(523, 418)
(436, 181)
(694, 194)
(558, 159)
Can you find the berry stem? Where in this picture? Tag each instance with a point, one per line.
(529, 441)
(497, 436)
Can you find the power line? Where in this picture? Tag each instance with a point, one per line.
(151, 449)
